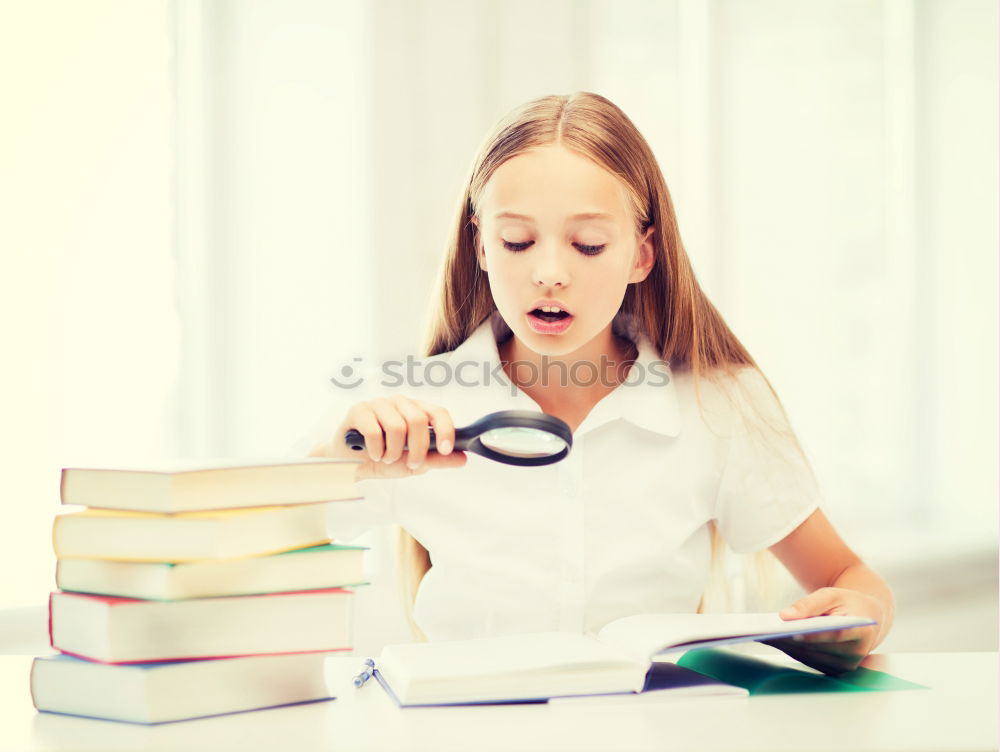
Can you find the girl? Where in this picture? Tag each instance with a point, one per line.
(566, 279)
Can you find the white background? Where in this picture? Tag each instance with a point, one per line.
(207, 208)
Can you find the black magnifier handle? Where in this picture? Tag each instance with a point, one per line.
(356, 440)
(467, 438)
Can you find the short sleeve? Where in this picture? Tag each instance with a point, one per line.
(346, 520)
(767, 487)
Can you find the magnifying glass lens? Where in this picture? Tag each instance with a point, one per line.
(515, 441)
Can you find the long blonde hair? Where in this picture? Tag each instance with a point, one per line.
(669, 305)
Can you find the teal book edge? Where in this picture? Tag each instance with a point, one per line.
(310, 550)
(322, 547)
(761, 677)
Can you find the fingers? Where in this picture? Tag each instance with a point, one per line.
(364, 420)
(397, 432)
(444, 427)
(833, 651)
(839, 635)
(831, 658)
(393, 425)
(415, 436)
(833, 600)
(816, 603)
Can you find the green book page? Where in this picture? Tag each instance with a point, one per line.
(759, 676)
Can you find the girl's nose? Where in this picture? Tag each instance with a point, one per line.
(550, 268)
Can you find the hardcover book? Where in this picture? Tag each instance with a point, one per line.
(193, 485)
(176, 690)
(124, 630)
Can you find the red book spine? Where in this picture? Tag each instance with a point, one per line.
(51, 643)
(115, 600)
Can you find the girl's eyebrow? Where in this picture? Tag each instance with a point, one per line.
(526, 218)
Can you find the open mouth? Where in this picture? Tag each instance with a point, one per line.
(553, 321)
(549, 316)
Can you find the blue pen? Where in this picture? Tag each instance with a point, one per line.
(365, 674)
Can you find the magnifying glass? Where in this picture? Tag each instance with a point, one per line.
(514, 437)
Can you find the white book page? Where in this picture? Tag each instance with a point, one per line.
(646, 635)
(183, 465)
(491, 656)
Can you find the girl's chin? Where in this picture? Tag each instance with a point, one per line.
(551, 345)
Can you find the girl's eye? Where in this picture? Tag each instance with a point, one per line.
(588, 250)
(516, 247)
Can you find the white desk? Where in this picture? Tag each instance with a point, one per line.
(959, 712)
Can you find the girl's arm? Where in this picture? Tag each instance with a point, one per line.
(837, 582)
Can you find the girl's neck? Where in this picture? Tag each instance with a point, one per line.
(573, 381)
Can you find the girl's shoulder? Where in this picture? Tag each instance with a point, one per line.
(726, 402)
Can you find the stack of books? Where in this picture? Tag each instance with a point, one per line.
(194, 590)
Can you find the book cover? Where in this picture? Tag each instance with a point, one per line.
(150, 693)
(312, 568)
(188, 536)
(108, 629)
(192, 485)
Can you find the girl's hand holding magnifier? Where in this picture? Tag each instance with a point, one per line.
(396, 438)
(513, 437)
(396, 431)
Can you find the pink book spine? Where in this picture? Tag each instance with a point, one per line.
(114, 600)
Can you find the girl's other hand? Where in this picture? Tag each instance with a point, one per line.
(388, 424)
(837, 651)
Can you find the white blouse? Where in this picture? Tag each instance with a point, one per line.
(619, 527)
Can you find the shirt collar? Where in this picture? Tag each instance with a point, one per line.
(647, 399)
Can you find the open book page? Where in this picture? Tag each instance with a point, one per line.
(645, 635)
(538, 651)
(665, 682)
(540, 664)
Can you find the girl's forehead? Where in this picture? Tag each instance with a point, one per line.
(553, 182)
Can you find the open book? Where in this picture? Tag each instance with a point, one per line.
(541, 665)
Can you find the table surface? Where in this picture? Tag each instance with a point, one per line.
(958, 711)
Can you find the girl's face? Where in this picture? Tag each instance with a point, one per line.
(555, 225)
